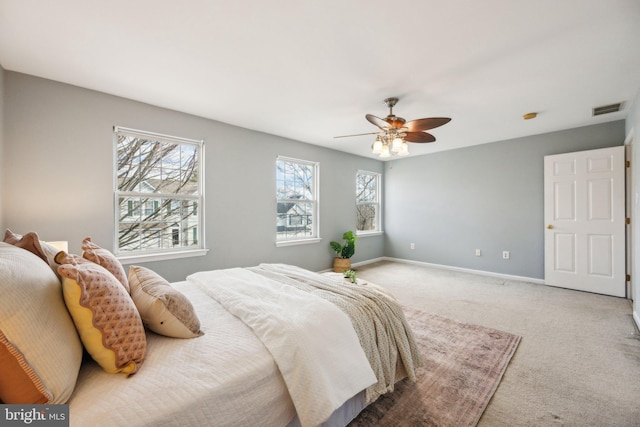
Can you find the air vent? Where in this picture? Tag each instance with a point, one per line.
(606, 109)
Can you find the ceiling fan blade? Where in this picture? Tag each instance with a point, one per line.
(419, 137)
(377, 121)
(358, 134)
(426, 124)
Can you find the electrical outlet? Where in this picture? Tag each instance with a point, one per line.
(478, 252)
(413, 246)
(505, 255)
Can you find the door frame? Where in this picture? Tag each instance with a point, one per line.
(630, 214)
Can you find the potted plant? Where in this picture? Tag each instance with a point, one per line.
(344, 251)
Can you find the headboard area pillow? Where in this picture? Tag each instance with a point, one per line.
(104, 314)
(105, 258)
(33, 244)
(40, 352)
(163, 308)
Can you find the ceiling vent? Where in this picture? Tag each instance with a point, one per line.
(606, 109)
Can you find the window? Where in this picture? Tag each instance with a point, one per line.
(297, 201)
(368, 202)
(158, 194)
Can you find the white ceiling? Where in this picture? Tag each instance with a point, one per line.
(310, 70)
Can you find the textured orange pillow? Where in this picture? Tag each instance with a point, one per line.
(19, 383)
(104, 314)
(105, 258)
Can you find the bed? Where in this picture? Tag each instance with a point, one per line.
(275, 345)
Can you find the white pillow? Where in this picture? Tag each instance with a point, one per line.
(40, 352)
(163, 309)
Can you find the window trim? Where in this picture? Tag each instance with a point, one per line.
(378, 202)
(315, 237)
(159, 254)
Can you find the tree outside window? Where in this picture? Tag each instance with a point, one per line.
(158, 191)
(297, 203)
(368, 202)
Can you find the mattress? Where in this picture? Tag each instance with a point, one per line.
(224, 378)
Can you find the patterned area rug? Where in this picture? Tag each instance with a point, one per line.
(464, 364)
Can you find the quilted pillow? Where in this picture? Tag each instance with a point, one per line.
(105, 258)
(164, 309)
(104, 314)
(40, 352)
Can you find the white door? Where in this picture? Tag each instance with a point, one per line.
(584, 205)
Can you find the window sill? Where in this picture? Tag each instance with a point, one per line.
(282, 243)
(130, 259)
(369, 233)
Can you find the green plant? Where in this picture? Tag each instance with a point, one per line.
(351, 275)
(347, 249)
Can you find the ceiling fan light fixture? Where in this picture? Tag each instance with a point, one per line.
(394, 132)
(396, 145)
(377, 146)
(404, 150)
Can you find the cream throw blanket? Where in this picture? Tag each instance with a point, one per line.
(383, 331)
(312, 341)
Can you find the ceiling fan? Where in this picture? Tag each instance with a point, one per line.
(395, 131)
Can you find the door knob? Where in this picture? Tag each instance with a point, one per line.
(549, 226)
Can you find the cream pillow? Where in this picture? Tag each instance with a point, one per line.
(105, 258)
(163, 308)
(104, 314)
(40, 352)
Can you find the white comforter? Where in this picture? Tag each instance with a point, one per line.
(312, 341)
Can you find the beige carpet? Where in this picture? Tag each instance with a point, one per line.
(463, 365)
(578, 363)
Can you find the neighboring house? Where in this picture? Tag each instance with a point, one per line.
(292, 219)
(165, 223)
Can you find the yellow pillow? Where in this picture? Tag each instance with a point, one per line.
(163, 308)
(104, 314)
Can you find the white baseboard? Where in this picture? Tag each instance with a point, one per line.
(357, 264)
(636, 318)
(460, 269)
(369, 261)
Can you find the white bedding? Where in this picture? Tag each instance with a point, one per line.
(189, 382)
(312, 341)
(228, 377)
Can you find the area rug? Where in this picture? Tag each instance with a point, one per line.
(463, 365)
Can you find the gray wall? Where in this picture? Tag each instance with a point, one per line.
(487, 197)
(59, 161)
(56, 156)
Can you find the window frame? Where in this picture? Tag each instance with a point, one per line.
(315, 201)
(159, 254)
(377, 203)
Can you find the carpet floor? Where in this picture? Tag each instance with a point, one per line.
(578, 363)
(463, 365)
